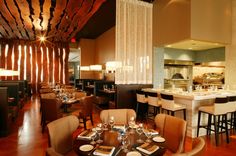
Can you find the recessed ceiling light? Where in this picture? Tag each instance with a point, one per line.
(169, 45)
(190, 48)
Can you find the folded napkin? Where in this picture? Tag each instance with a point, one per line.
(147, 148)
(119, 127)
(86, 134)
(154, 132)
(104, 151)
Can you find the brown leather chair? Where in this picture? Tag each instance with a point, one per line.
(173, 129)
(85, 113)
(79, 95)
(50, 110)
(198, 148)
(121, 116)
(60, 136)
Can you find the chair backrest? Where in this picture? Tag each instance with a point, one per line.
(167, 101)
(121, 116)
(153, 99)
(173, 129)
(232, 102)
(79, 95)
(87, 104)
(140, 95)
(197, 150)
(51, 109)
(60, 133)
(221, 105)
(48, 96)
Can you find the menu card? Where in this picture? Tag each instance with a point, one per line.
(147, 148)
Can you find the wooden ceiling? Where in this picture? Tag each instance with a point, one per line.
(58, 20)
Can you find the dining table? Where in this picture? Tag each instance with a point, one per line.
(110, 139)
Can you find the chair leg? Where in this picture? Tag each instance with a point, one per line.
(226, 128)
(172, 113)
(84, 122)
(209, 124)
(184, 114)
(91, 118)
(216, 130)
(198, 122)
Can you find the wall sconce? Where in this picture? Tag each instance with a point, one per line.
(4, 72)
(84, 68)
(113, 65)
(96, 67)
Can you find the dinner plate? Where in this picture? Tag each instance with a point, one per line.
(133, 153)
(158, 139)
(86, 148)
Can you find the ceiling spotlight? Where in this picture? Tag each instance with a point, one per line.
(169, 45)
(42, 38)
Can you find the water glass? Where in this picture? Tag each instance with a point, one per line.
(93, 137)
(139, 130)
(105, 126)
(148, 134)
(131, 125)
(99, 130)
(111, 122)
(125, 145)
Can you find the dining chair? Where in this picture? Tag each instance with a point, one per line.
(142, 104)
(199, 146)
(50, 110)
(79, 95)
(121, 116)
(174, 130)
(85, 113)
(154, 102)
(60, 136)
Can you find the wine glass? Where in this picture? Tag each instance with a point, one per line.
(93, 137)
(125, 145)
(105, 126)
(111, 122)
(139, 130)
(131, 125)
(148, 134)
(99, 130)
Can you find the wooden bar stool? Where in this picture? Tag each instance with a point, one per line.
(153, 101)
(168, 104)
(219, 109)
(142, 104)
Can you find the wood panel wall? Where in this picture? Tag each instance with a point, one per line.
(37, 62)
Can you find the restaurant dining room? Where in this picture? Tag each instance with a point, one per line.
(117, 77)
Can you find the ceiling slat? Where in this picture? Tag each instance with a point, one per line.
(46, 13)
(9, 19)
(7, 28)
(3, 31)
(35, 16)
(25, 13)
(85, 18)
(14, 11)
(60, 6)
(73, 7)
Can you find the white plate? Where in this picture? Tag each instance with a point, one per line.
(133, 153)
(86, 148)
(158, 139)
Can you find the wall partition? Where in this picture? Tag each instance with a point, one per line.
(36, 62)
(133, 42)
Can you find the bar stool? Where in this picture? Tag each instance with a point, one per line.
(232, 112)
(168, 104)
(153, 101)
(142, 104)
(220, 108)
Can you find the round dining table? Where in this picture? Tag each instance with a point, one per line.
(110, 138)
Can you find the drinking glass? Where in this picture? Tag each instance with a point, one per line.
(125, 145)
(99, 130)
(111, 122)
(148, 134)
(93, 137)
(105, 126)
(132, 124)
(139, 130)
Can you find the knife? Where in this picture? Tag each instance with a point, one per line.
(118, 152)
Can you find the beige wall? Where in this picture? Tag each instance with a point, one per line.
(97, 51)
(211, 20)
(171, 21)
(178, 20)
(105, 47)
(230, 53)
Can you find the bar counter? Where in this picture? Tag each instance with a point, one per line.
(193, 101)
